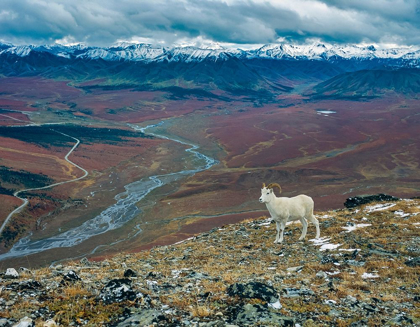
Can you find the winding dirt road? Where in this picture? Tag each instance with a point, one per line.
(25, 201)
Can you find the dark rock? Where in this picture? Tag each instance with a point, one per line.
(130, 273)
(375, 250)
(415, 262)
(370, 307)
(296, 292)
(196, 275)
(254, 290)
(364, 199)
(30, 284)
(258, 314)
(217, 323)
(145, 318)
(331, 286)
(70, 278)
(5, 323)
(118, 290)
(153, 274)
(355, 263)
(24, 286)
(328, 259)
(360, 323)
(402, 320)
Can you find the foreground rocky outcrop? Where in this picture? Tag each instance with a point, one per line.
(364, 271)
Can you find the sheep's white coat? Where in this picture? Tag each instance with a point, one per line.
(283, 209)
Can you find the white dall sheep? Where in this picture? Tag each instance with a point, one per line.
(284, 209)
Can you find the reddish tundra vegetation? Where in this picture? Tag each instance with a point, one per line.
(328, 149)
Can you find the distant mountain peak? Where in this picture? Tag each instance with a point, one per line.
(130, 51)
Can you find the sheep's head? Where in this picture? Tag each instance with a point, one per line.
(267, 192)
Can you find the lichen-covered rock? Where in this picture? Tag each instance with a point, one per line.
(258, 315)
(254, 290)
(5, 323)
(415, 262)
(145, 318)
(296, 292)
(69, 278)
(118, 290)
(25, 286)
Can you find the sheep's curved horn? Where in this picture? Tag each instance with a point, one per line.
(263, 186)
(272, 185)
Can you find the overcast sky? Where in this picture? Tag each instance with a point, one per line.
(238, 23)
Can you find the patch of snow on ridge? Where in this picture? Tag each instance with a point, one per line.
(401, 213)
(379, 207)
(354, 227)
(275, 305)
(323, 243)
(329, 246)
(370, 275)
(323, 217)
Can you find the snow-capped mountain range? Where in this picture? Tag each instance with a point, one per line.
(149, 53)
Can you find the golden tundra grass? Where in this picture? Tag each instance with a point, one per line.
(227, 258)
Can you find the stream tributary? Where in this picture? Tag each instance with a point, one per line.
(118, 214)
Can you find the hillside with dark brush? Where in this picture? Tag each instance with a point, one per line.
(370, 83)
(274, 70)
(363, 271)
(229, 75)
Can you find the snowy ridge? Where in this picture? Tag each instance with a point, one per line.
(282, 51)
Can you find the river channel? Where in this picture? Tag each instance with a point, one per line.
(118, 214)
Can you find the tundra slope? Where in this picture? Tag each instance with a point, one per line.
(230, 275)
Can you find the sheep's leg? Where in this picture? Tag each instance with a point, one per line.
(304, 229)
(315, 221)
(282, 227)
(278, 232)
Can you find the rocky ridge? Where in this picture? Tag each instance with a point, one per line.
(363, 271)
(278, 51)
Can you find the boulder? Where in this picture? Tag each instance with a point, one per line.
(130, 273)
(296, 292)
(258, 315)
(364, 199)
(25, 322)
(254, 290)
(11, 273)
(415, 262)
(69, 278)
(118, 290)
(145, 318)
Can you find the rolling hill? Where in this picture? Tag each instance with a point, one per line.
(370, 83)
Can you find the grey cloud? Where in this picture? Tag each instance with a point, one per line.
(103, 22)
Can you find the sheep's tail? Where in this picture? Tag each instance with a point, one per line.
(273, 185)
